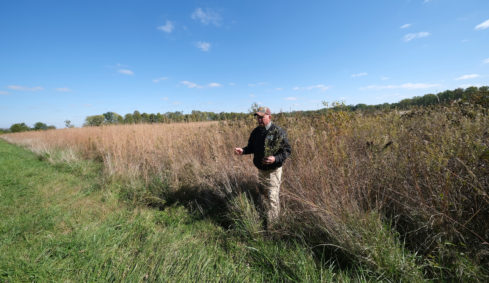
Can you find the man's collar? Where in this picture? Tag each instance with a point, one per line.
(267, 127)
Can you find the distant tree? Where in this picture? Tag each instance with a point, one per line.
(253, 108)
(51, 127)
(19, 127)
(144, 118)
(111, 118)
(95, 120)
(40, 126)
(137, 117)
(128, 119)
(68, 124)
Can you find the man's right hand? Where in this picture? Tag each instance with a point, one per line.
(238, 151)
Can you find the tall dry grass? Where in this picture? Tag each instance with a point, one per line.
(361, 186)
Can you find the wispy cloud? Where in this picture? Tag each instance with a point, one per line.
(165, 98)
(401, 86)
(125, 72)
(157, 80)
(279, 88)
(3, 92)
(257, 84)
(313, 87)
(410, 36)
(482, 25)
(63, 89)
(359, 75)
(384, 78)
(486, 61)
(25, 88)
(190, 84)
(291, 98)
(405, 26)
(207, 16)
(204, 46)
(467, 77)
(214, 85)
(168, 27)
(252, 95)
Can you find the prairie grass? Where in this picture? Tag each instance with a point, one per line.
(404, 195)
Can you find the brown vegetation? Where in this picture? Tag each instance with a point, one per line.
(351, 180)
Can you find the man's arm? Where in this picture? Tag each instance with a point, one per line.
(248, 149)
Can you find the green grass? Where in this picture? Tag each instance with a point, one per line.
(63, 223)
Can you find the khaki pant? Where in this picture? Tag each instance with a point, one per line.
(270, 181)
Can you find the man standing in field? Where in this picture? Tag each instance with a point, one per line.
(269, 145)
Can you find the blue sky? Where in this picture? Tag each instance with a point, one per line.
(65, 60)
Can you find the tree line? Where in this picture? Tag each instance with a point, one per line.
(472, 95)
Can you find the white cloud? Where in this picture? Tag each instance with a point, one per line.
(486, 61)
(204, 46)
(231, 84)
(410, 36)
(257, 84)
(359, 75)
(24, 88)
(252, 95)
(157, 80)
(164, 98)
(126, 72)
(190, 84)
(279, 88)
(63, 89)
(3, 92)
(290, 98)
(405, 26)
(206, 17)
(168, 27)
(384, 78)
(312, 87)
(214, 85)
(482, 25)
(467, 77)
(401, 86)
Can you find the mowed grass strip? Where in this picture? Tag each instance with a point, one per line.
(55, 226)
(51, 229)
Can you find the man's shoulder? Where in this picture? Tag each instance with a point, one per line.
(276, 127)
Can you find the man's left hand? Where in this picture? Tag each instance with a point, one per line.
(269, 160)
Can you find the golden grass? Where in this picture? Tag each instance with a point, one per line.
(421, 170)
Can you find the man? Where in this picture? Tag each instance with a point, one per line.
(269, 145)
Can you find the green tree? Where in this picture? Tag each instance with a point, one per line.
(19, 127)
(95, 120)
(68, 124)
(128, 119)
(137, 117)
(111, 118)
(40, 126)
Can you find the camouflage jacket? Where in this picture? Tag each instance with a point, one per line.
(263, 143)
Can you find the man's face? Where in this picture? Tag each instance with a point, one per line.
(263, 120)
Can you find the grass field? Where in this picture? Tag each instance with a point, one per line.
(400, 197)
(59, 224)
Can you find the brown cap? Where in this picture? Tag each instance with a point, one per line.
(262, 111)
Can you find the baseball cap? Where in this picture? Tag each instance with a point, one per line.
(262, 111)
